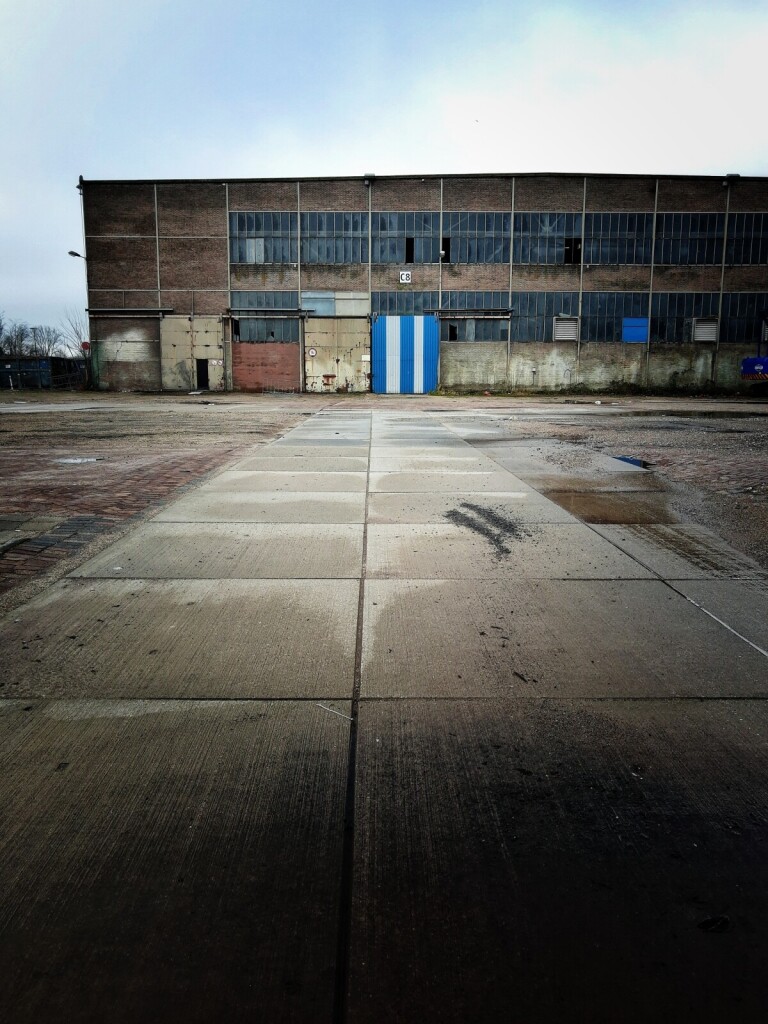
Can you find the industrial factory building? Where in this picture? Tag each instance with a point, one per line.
(403, 284)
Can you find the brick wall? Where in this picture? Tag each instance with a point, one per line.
(616, 279)
(477, 194)
(339, 195)
(549, 193)
(746, 279)
(425, 277)
(545, 279)
(264, 367)
(119, 263)
(192, 209)
(406, 194)
(347, 278)
(692, 194)
(485, 277)
(280, 278)
(262, 195)
(614, 195)
(686, 279)
(119, 209)
(193, 263)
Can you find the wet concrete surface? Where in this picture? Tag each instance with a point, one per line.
(475, 730)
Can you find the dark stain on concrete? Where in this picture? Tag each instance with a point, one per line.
(489, 523)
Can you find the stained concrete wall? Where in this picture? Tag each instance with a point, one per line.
(343, 354)
(184, 340)
(126, 354)
(596, 365)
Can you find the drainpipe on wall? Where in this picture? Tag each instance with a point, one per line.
(91, 356)
(226, 346)
(650, 287)
(509, 298)
(722, 282)
(581, 279)
(440, 283)
(302, 358)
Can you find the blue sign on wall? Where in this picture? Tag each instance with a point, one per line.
(634, 329)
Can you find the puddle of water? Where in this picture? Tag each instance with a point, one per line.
(616, 508)
(633, 461)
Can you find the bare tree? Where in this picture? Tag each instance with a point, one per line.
(45, 341)
(75, 331)
(15, 338)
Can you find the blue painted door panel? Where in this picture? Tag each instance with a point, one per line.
(404, 354)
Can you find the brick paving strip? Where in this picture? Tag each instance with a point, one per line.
(102, 494)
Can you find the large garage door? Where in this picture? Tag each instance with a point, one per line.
(405, 355)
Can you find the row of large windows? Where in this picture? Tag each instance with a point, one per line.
(529, 316)
(529, 238)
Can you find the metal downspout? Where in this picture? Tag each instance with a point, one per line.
(581, 278)
(509, 297)
(302, 321)
(440, 284)
(650, 286)
(715, 357)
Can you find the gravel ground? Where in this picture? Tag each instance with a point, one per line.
(715, 469)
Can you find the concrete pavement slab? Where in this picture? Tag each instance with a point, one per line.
(158, 857)
(551, 862)
(286, 449)
(202, 506)
(163, 550)
(348, 445)
(302, 464)
(425, 454)
(431, 464)
(416, 507)
(436, 482)
(682, 551)
(234, 480)
(741, 604)
(184, 638)
(490, 543)
(631, 638)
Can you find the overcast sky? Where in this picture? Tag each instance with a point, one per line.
(246, 88)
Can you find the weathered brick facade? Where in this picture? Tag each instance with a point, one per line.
(161, 249)
(267, 367)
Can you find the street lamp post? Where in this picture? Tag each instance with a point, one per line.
(85, 346)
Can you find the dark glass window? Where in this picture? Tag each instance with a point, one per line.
(263, 237)
(263, 330)
(673, 313)
(743, 316)
(474, 329)
(618, 238)
(545, 237)
(747, 238)
(333, 238)
(403, 303)
(412, 237)
(476, 237)
(533, 313)
(689, 238)
(264, 300)
(603, 313)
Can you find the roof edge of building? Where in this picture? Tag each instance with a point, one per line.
(423, 177)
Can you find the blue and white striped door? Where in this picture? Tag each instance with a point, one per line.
(404, 354)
